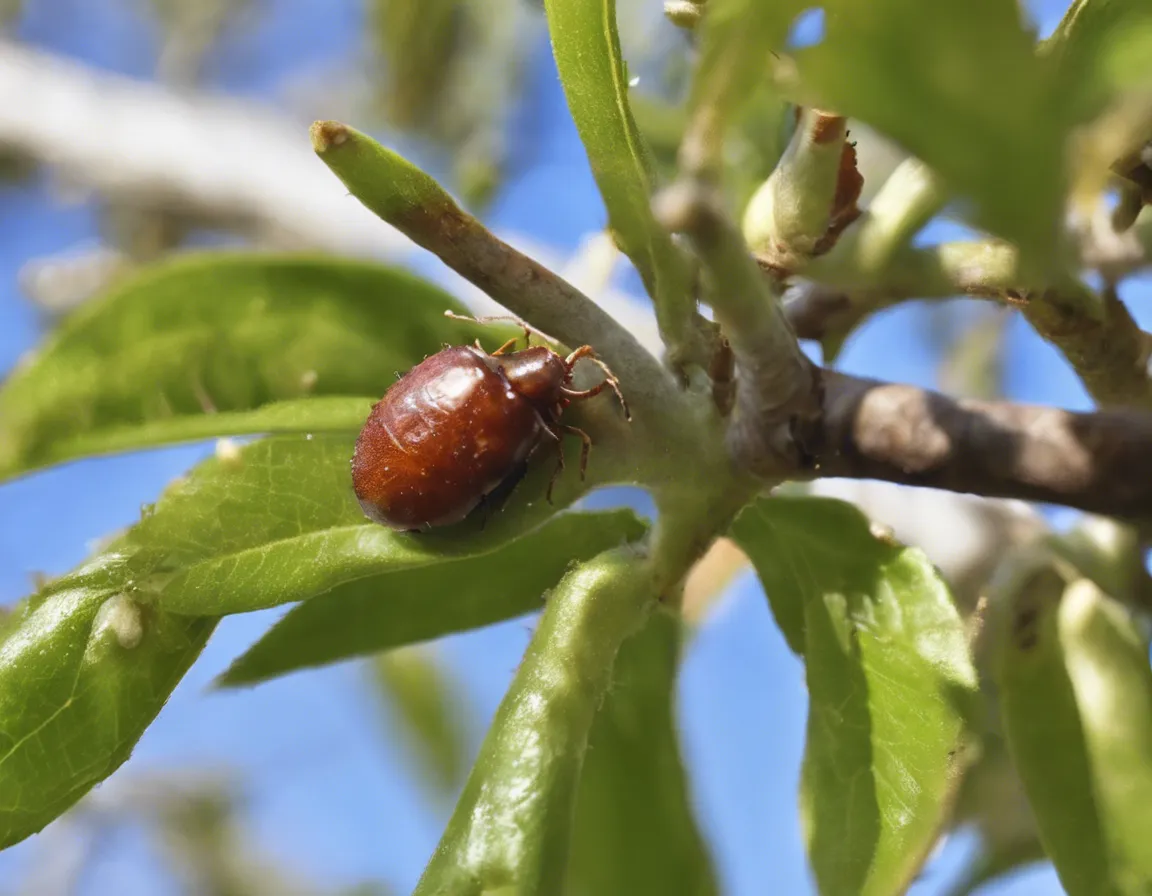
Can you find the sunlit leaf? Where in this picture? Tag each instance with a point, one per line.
(635, 831)
(87, 664)
(512, 826)
(412, 605)
(84, 669)
(279, 523)
(959, 84)
(323, 414)
(890, 684)
(220, 344)
(587, 49)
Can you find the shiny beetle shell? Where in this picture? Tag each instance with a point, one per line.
(456, 427)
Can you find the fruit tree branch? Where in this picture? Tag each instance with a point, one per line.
(777, 384)
(1099, 462)
(1094, 332)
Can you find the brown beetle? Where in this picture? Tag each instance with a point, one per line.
(459, 425)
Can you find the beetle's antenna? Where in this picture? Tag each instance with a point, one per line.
(528, 328)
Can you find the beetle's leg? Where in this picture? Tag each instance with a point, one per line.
(507, 345)
(493, 502)
(559, 443)
(610, 381)
(585, 448)
(585, 351)
(583, 393)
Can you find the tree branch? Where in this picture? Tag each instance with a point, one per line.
(1115, 255)
(777, 385)
(415, 204)
(822, 313)
(875, 266)
(1096, 334)
(1100, 462)
(142, 140)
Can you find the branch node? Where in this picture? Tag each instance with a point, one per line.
(810, 197)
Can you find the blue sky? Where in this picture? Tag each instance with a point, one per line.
(324, 779)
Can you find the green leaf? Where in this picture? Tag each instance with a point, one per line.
(1083, 46)
(767, 541)
(1045, 733)
(411, 605)
(890, 684)
(587, 50)
(87, 664)
(220, 344)
(426, 705)
(958, 83)
(84, 669)
(323, 414)
(512, 826)
(274, 524)
(1106, 655)
(278, 522)
(635, 831)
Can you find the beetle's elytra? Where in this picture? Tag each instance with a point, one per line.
(459, 425)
